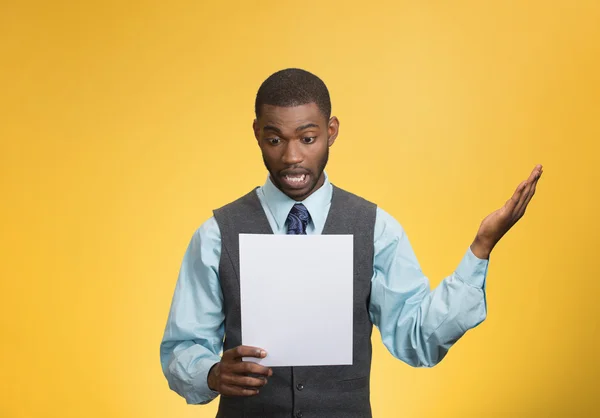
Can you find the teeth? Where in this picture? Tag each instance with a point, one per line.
(296, 179)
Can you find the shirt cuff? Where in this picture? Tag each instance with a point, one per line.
(202, 394)
(472, 270)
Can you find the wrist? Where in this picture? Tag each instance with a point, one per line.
(481, 249)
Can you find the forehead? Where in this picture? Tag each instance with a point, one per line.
(292, 116)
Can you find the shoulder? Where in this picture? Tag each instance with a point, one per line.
(240, 201)
(351, 198)
(208, 232)
(387, 227)
(238, 209)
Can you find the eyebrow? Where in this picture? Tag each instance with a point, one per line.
(298, 129)
(308, 125)
(271, 128)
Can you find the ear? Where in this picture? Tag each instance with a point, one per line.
(256, 129)
(333, 128)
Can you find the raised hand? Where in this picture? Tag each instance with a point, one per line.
(497, 223)
(234, 377)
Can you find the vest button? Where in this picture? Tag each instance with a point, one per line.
(299, 414)
(299, 386)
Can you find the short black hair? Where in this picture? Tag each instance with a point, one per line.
(293, 87)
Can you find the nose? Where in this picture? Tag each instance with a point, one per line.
(292, 153)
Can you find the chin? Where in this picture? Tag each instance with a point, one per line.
(290, 192)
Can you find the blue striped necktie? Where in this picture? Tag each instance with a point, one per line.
(297, 220)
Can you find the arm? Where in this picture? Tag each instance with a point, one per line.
(418, 326)
(193, 336)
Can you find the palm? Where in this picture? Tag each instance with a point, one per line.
(497, 223)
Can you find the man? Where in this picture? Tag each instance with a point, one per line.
(294, 130)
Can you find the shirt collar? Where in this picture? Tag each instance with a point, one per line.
(317, 203)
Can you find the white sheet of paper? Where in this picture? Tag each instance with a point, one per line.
(297, 298)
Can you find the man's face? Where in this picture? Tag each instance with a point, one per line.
(295, 145)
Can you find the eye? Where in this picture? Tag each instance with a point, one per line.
(273, 141)
(309, 139)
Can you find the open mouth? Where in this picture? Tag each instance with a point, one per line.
(295, 181)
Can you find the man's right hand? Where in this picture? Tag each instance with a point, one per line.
(230, 377)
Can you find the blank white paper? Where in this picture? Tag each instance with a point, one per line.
(297, 298)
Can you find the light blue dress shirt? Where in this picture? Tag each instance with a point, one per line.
(417, 325)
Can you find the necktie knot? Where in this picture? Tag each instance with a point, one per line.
(298, 219)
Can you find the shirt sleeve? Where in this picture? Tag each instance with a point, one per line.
(417, 325)
(193, 336)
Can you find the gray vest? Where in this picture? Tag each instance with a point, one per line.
(317, 391)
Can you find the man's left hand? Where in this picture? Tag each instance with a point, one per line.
(497, 223)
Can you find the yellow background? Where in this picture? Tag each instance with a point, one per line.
(124, 123)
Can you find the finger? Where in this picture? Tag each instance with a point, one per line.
(245, 351)
(515, 203)
(522, 210)
(526, 197)
(512, 202)
(248, 367)
(244, 381)
(535, 172)
(522, 199)
(230, 390)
